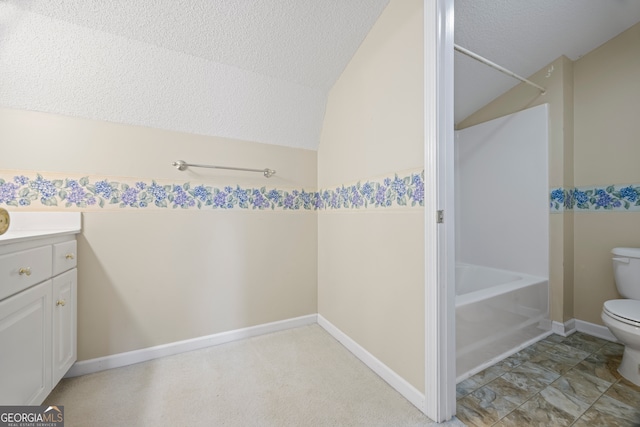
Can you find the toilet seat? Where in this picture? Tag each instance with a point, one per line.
(624, 310)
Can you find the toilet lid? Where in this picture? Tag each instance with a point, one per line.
(626, 308)
(626, 252)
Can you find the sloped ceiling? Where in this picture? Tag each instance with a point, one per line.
(258, 70)
(524, 36)
(308, 42)
(254, 70)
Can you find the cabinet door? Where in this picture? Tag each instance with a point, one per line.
(64, 304)
(25, 346)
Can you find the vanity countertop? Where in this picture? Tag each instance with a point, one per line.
(34, 225)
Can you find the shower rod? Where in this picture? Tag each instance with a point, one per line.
(497, 67)
(182, 165)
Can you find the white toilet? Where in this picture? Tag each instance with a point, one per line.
(622, 316)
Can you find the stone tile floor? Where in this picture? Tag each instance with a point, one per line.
(559, 381)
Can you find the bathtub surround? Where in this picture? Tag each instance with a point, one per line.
(502, 219)
(557, 78)
(502, 238)
(594, 179)
(498, 312)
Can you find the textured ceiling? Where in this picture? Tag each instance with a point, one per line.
(308, 42)
(526, 35)
(257, 70)
(260, 69)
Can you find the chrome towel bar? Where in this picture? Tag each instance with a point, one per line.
(182, 165)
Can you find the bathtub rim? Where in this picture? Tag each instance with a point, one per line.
(486, 293)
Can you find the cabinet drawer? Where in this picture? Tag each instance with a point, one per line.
(21, 270)
(65, 257)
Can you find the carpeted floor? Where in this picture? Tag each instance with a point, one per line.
(299, 377)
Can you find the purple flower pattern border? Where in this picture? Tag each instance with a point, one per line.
(408, 190)
(595, 198)
(85, 193)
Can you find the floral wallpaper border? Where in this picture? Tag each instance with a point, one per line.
(398, 190)
(625, 198)
(385, 192)
(93, 193)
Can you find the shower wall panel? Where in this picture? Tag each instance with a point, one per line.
(502, 201)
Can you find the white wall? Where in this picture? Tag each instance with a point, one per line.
(502, 193)
(150, 275)
(371, 258)
(607, 149)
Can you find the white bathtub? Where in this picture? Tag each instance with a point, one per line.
(497, 313)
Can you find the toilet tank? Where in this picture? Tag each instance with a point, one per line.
(626, 270)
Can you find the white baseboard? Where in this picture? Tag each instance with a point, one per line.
(401, 385)
(131, 357)
(565, 329)
(595, 330)
(546, 325)
(123, 359)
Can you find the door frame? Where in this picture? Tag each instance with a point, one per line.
(440, 372)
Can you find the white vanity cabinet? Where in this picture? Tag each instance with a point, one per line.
(38, 315)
